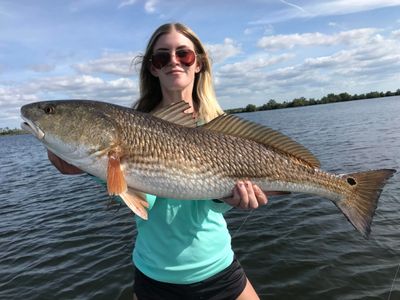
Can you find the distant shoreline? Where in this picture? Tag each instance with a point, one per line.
(272, 104)
(299, 102)
(15, 131)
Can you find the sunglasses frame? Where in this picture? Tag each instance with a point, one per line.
(163, 60)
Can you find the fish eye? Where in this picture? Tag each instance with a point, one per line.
(49, 109)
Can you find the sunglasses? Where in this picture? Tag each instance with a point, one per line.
(160, 59)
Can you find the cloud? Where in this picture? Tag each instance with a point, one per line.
(396, 33)
(123, 91)
(316, 39)
(120, 64)
(221, 52)
(314, 9)
(341, 7)
(42, 68)
(86, 86)
(150, 6)
(126, 3)
(295, 6)
(253, 63)
(369, 62)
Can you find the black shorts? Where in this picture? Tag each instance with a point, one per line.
(225, 285)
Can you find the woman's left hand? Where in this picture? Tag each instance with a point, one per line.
(246, 196)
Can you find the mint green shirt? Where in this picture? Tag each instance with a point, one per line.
(183, 241)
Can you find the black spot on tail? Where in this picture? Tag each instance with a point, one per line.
(351, 181)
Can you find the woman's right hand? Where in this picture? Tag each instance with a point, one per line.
(63, 166)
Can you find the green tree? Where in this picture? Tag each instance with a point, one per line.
(250, 108)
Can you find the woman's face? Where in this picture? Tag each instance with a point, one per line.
(175, 76)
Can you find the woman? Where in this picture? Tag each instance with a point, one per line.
(184, 249)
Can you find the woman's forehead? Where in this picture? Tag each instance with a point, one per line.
(173, 39)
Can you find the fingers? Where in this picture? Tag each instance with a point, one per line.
(260, 195)
(250, 195)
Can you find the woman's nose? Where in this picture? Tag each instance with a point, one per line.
(173, 59)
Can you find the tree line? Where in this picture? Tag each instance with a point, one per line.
(14, 131)
(297, 102)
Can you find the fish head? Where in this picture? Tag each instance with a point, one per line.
(71, 129)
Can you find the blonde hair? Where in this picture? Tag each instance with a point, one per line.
(204, 99)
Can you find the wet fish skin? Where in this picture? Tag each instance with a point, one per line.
(134, 151)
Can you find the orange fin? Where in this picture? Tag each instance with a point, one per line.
(136, 201)
(116, 183)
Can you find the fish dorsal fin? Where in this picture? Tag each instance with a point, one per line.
(235, 126)
(174, 113)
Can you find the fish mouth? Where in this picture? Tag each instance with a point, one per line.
(29, 126)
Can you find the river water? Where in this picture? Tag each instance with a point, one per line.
(59, 238)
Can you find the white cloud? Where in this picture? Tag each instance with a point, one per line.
(150, 6)
(42, 68)
(369, 62)
(315, 9)
(295, 6)
(341, 7)
(221, 52)
(121, 91)
(316, 38)
(253, 63)
(126, 3)
(396, 33)
(85, 86)
(120, 64)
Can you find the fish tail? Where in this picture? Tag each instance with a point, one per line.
(360, 203)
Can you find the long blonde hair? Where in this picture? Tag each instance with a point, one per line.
(204, 99)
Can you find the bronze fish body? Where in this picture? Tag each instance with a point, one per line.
(165, 154)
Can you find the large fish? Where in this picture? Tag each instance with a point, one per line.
(165, 154)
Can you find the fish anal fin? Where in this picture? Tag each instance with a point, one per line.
(235, 126)
(116, 183)
(136, 201)
(175, 113)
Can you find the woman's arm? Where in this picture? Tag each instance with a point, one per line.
(63, 166)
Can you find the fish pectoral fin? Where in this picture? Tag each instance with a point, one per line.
(175, 113)
(136, 201)
(116, 183)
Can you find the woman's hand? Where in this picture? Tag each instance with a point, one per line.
(247, 196)
(63, 166)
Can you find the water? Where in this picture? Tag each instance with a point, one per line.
(60, 240)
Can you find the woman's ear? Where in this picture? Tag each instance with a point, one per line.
(153, 70)
(199, 66)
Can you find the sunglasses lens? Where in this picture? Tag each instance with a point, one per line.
(186, 57)
(162, 58)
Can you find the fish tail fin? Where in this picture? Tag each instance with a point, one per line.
(359, 205)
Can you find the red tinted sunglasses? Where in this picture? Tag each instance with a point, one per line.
(160, 59)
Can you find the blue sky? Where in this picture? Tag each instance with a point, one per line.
(261, 49)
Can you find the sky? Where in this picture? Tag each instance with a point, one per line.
(260, 49)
